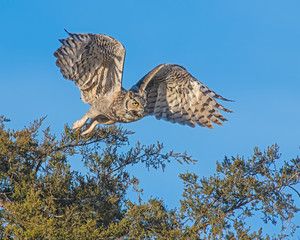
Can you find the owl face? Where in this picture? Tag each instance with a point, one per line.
(134, 105)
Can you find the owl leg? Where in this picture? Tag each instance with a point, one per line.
(108, 122)
(90, 127)
(89, 114)
(94, 123)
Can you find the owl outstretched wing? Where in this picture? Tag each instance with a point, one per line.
(94, 62)
(174, 95)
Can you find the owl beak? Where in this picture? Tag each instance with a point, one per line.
(135, 113)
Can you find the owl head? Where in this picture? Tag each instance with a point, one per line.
(134, 105)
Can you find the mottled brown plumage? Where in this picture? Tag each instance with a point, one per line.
(95, 63)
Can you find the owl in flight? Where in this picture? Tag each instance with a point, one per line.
(95, 63)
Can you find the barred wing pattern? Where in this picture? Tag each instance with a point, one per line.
(94, 62)
(174, 95)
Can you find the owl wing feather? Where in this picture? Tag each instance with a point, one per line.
(174, 95)
(94, 62)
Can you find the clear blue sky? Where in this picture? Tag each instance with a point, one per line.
(248, 51)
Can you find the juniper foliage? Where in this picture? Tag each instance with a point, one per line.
(41, 197)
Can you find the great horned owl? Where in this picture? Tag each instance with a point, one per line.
(95, 63)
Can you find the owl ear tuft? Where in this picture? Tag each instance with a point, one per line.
(130, 94)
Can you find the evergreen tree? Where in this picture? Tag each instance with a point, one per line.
(41, 197)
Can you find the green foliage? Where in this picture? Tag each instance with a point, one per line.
(41, 197)
(238, 190)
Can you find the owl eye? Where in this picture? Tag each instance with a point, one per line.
(135, 104)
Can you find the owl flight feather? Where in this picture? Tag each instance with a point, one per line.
(95, 63)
